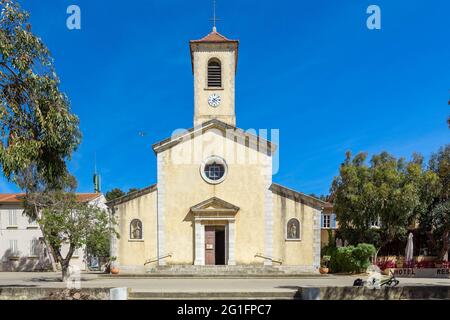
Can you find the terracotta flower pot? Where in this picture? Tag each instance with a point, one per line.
(323, 270)
(114, 271)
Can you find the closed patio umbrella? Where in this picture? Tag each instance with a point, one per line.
(409, 253)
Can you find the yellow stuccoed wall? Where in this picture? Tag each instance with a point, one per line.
(245, 186)
(293, 252)
(135, 252)
(184, 187)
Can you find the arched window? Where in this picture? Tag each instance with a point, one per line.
(136, 229)
(293, 229)
(214, 73)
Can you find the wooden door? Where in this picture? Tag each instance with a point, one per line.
(210, 245)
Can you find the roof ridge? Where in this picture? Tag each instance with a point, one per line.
(214, 36)
(131, 195)
(275, 185)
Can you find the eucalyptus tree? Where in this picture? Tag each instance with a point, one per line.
(378, 202)
(38, 131)
(37, 127)
(435, 218)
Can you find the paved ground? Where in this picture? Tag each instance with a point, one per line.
(50, 279)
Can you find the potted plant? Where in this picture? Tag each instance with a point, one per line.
(324, 265)
(109, 268)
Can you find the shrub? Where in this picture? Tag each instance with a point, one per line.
(350, 258)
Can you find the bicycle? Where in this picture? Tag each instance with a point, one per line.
(388, 282)
(391, 281)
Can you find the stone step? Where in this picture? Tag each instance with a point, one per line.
(222, 269)
(214, 276)
(239, 271)
(212, 271)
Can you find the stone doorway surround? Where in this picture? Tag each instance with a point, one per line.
(217, 212)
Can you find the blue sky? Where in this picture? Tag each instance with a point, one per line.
(311, 69)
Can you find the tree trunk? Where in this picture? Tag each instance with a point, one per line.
(431, 243)
(379, 248)
(65, 263)
(65, 271)
(443, 256)
(50, 251)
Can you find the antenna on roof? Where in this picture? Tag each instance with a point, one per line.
(96, 179)
(214, 19)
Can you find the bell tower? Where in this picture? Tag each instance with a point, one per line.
(214, 62)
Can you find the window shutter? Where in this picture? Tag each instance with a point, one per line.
(34, 247)
(12, 217)
(333, 221)
(321, 220)
(13, 247)
(214, 74)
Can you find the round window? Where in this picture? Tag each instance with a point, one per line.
(214, 170)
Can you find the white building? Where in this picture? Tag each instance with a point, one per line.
(21, 245)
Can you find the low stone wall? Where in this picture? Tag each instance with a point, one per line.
(385, 293)
(36, 293)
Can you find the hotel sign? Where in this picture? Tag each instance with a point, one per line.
(422, 272)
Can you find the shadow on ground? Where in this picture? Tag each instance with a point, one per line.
(54, 279)
(18, 286)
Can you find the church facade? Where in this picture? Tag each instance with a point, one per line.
(214, 202)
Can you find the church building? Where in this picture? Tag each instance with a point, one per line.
(214, 202)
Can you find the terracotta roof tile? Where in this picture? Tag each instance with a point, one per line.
(84, 197)
(10, 197)
(214, 37)
(16, 197)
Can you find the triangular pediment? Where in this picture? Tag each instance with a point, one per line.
(230, 132)
(214, 204)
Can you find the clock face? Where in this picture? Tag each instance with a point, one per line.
(214, 100)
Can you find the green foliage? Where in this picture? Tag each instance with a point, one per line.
(67, 221)
(326, 261)
(114, 194)
(98, 242)
(117, 193)
(387, 190)
(322, 197)
(441, 217)
(440, 164)
(350, 258)
(37, 127)
(435, 218)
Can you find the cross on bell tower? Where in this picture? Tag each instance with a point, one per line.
(214, 18)
(214, 61)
